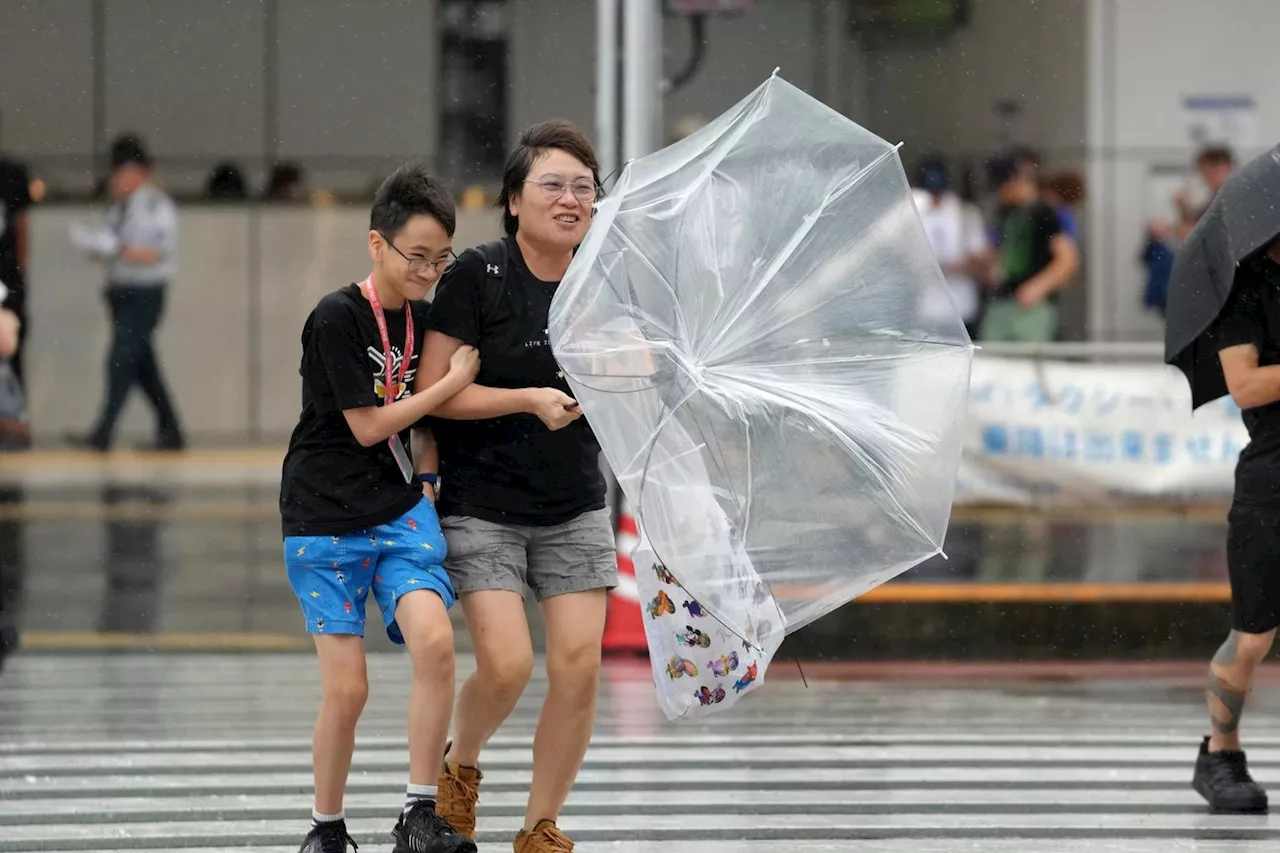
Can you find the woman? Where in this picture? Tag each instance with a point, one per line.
(522, 497)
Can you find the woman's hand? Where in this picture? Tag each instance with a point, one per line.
(553, 407)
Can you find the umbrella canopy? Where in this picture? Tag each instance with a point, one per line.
(743, 328)
(1243, 217)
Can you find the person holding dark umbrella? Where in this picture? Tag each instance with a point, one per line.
(1223, 333)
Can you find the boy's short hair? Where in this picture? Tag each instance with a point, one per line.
(408, 192)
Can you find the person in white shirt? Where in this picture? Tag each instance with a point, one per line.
(959, 240)
(139, 250)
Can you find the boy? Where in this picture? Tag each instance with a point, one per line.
(358, 519)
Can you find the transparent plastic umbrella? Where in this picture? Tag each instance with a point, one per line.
(743, 327)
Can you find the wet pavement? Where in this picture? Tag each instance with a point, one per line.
(121, 730)
(187, 752)
(171, 546)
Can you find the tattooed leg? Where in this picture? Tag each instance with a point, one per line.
(1230, 679)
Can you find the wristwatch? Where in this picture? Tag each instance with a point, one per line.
(433, 479)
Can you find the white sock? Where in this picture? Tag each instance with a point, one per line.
(414, 794)
(317, 818)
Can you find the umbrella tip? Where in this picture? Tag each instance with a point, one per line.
(775, 71)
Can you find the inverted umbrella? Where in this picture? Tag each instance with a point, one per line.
(1243, 217)
(743, 328)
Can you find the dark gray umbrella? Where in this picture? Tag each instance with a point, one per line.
(1243, 217)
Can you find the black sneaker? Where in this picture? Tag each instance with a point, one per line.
(328, 838)
(424, 831)
(1223, 779)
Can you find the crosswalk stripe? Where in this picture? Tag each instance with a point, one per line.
(211, 754)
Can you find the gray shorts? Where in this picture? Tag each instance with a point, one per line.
(572, 557)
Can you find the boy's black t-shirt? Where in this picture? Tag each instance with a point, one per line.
(510, 470)
(331, 485)
(1026, 244)
(1252, 316)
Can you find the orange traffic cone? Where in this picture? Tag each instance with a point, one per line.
(624, 620)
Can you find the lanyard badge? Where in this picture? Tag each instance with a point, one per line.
(393, 381)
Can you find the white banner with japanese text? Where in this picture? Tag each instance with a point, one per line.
(1067, 432)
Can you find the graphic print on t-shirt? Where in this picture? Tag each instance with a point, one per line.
(543, 341)
(380, 373)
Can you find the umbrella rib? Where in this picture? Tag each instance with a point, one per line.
(647, 451)
(644, 477)
(747, 120)
(727, 357)
(740, 130)
(631, 247)
(785, 253)
(811, 405)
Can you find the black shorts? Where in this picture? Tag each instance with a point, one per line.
(1253, 563)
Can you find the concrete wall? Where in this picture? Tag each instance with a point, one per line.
(189, 75)
(229, 342)
(353, 80)
(1145, 57)
(1095, 85)
(354, 89)
(553, 60)
(941, 95)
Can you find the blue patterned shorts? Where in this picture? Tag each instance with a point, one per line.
(333, 575)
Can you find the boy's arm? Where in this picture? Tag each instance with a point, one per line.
(476, 402)
(372, 424)
(455, 321)
(342, 372)
(426, 458)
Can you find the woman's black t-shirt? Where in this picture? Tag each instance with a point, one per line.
(512, 469)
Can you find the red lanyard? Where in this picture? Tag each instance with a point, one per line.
(393, 390)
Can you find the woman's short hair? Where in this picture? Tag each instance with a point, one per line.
(534, 141)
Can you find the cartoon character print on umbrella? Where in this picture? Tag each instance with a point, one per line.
(692, 637)
(679, 666)
(747, 679)
(724, 665)
(661, 604)
(695, 609)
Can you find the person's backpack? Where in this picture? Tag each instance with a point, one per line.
(494, 255)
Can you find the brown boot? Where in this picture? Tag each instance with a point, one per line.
(546, 837)
(457, 792)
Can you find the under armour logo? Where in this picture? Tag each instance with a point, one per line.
(492, 269)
